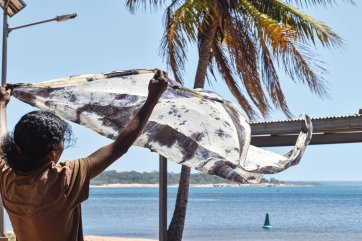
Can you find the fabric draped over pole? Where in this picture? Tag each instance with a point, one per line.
(196, 128)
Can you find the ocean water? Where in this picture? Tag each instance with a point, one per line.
(323, 213)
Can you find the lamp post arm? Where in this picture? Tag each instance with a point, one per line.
(31, 24)
(58, 19)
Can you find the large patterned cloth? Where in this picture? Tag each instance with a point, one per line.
(195, 128)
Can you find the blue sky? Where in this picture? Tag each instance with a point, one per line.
(105, 37)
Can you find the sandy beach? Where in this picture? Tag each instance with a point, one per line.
(11, 237)
(99, 238)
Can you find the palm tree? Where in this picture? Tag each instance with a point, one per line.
(248, 42)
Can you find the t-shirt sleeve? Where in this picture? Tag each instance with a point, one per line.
(2, 167)
(77, 181)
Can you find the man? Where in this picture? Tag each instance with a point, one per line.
(42, 196)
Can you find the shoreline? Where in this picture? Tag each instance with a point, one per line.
(11, 236)
(104, 238)
(118, 185)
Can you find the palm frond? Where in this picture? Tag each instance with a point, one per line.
(211, 70)
(182, 26)
(301, 64)
(244, 55)
(271, 79)
(310, 3)
(305, 26)
(133, 5)
(276, 33)
(226, 71)
(173, 44)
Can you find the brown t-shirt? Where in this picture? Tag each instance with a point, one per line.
(44, 205)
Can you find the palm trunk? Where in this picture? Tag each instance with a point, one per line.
(208, 37)
(175, 230)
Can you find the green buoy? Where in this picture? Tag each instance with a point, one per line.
(267, 222)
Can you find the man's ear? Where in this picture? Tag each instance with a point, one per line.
(52, 156)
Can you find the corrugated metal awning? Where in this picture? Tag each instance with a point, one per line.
(326, 130)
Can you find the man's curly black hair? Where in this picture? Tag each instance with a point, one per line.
(35, 135)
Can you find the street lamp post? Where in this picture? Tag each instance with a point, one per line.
(11, 7)
(7, 30)
(163, 199)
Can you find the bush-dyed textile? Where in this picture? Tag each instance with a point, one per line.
(195, 128)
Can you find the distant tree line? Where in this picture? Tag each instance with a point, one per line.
(112, 177)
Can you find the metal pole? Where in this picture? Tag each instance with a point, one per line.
(163, 199)
(5, 44)
(3, 82)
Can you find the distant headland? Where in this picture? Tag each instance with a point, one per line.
(150, 179)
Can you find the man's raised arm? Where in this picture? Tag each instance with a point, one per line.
(4, 100)
(105, 156)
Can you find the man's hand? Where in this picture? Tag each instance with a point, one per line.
(4, 95)
(158, 84)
